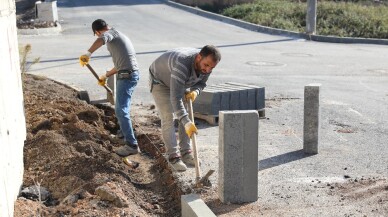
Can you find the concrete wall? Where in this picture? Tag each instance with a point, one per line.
(12, 119)
(212, 2)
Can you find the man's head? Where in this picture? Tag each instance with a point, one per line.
(99, 26)
(207, 59)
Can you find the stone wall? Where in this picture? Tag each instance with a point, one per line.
(12, 119)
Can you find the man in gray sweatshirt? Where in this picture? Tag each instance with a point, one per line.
(176, 76)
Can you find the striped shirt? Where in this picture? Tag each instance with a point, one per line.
(175, 69)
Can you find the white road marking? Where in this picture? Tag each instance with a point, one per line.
(367, 87)
(332, 102)
(358, 113)
(341, 137)
(321, 179)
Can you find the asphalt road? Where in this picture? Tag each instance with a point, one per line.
(283, 65)
(354, 80)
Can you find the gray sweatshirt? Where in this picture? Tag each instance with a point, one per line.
(121, 50)
(175, 69)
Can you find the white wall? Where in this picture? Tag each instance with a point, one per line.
(12, 119)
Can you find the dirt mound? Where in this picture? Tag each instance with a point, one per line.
(69, 152)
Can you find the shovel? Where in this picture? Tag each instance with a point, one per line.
(110, 95)
(204, 181)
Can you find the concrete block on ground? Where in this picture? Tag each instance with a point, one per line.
(193, 206)
(259, 102)
(238, 156)
(260, 98)
(239, 96)
(46, 11)
(224, 98)
(229, 96)
(209, 103)
(247, 96)
(232, 95)
(312, 115)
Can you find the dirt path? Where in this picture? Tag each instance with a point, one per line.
(68, 151)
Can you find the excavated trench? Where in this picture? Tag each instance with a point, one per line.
(69, 151)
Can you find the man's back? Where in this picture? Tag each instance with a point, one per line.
(177, 63)
(121, 48)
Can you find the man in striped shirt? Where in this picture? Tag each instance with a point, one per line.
(176, 76)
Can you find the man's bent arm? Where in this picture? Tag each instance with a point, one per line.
(97, 44)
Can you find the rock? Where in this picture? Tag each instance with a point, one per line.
(106, 193)
(70, 199)
(34, 191)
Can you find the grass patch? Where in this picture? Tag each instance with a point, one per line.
(364, 19)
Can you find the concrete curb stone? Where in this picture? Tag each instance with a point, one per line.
(193, 206)
(41, 31)
(81, 93)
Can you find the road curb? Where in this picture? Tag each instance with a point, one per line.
(193, 206)
(273, 31)
(41, 31)
(81, 93)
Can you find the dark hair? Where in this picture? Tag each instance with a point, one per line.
(211, 50)
(98, 25)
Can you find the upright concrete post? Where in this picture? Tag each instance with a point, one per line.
(238, 156)
(311, 18)
(312, 115)
(46, 11)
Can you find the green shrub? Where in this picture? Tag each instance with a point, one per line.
(352, 20)
(355, 18)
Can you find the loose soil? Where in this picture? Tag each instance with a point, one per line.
(69, 151)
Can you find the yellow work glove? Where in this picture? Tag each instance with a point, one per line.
(190, 128)
(191, 95)
(84, 59)
(102, 80)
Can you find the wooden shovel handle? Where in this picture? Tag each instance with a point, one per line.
(98, 78)
(194, 143)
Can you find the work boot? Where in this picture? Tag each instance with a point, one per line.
(188, 158)
(126, 150)
(177, 164)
